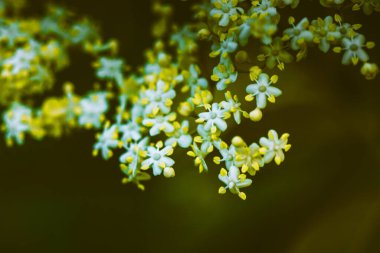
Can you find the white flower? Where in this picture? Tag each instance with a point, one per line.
(111, 69)
(130, 131)
(11, 33)
(181, 135)
(233, 181)
(275, 146)
(22, 60)
(82, 31)
(214, 118)
(327, 32)
(134, 152)
(262, 90)
(107, 141)
(354, 50)
(160, 123)
(228, 156)
(228, 45)
(17, 122)
(224, 75)
(249, 157)
(160, 99)
(299, 34)
(92, 109)
(158, 159)
(225, 10)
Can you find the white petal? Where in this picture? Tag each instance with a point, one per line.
(261, 100)
(274, 91)
(185, 141)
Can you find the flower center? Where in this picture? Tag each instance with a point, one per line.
(225, 8)
(297, 32)
(213, 115)
(156, 156)
(354, 47)
(262, 88)
(160, 119)
(157, 98)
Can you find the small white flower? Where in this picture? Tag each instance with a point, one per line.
(22, 60)
(158, 159)
(134, 153)
(227, 46)
(327, 32)
(160, 123)
(233, 181)
(159, 99)
(354, 50)
(180, 136)
(262, 90)
(249, 157)
(225, 10)
(111, 69)
(82, 31)
(92, 109)
(228, 156)
(275, 146)
(11, 33)
(16, 121)
(224, 75)
(107, 141)
(130, 131)
(214, 118)
(299, 34)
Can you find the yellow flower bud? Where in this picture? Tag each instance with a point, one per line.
(237, 141)
(222, 190)
(185, 109)
(204, 33)
(256, 115)
(369, 70)
(169, 172)
(241, 56)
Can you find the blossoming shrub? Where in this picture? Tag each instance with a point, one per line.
(170, 103)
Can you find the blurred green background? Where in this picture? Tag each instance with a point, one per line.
(55, 197)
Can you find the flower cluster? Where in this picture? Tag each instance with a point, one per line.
(172, 102)
(32, 51)
(368, 6)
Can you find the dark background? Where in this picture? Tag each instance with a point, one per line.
(55, 197)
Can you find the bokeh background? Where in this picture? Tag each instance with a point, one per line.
(55, 197)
